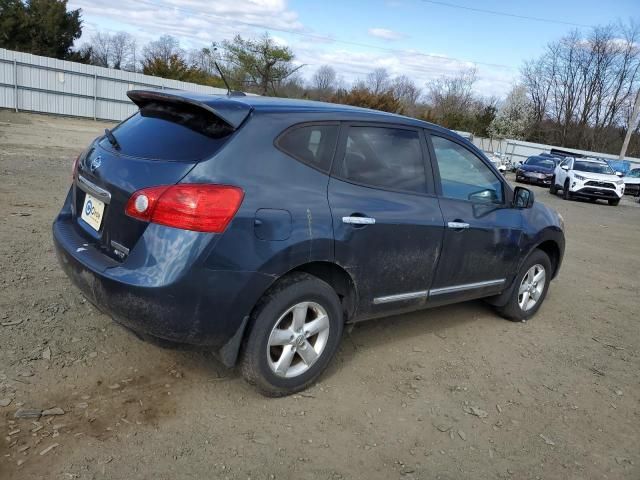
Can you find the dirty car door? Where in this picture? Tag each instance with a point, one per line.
(387, 222)
(481, 244)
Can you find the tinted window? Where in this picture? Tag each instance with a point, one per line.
(635, 173)
(170, 132)
(311, 144)
(384, 157)
(463, 175)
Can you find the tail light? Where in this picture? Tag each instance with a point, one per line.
(199, 207)
(74, 168)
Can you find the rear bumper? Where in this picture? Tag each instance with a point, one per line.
(196, 305)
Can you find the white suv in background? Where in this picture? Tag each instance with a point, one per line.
(589, 178)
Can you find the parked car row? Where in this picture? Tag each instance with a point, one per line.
(584, 177)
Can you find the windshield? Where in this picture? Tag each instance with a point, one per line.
(540, 162)
(592, 167)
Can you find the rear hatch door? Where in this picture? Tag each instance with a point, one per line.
(158, 145)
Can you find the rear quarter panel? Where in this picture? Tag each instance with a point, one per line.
(288, 190)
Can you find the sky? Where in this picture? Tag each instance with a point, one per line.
(422, 39)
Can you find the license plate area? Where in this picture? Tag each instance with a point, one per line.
(92, 212)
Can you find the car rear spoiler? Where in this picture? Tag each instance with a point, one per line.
(231, 112)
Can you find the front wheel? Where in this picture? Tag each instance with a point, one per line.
(615, 202)
(295, 331)
(553, 188)
(566, 194)
(530, 288)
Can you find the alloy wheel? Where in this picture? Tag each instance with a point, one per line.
(531, 287)
(298, 339)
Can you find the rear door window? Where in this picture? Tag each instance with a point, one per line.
(384, 157)
(170, 132)
(311, 144)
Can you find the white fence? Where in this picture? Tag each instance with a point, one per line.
(41, 84)
(517, 151)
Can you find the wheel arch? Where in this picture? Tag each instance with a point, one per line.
(339, 279)
(552, 249)
(333, 274)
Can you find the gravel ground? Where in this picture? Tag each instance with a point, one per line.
(450, 393)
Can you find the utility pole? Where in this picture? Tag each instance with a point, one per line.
(631, 127)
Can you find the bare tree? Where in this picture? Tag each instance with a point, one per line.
(407, 92)
(164, 49)
(378, 81)
(122, 46)
(100, 44)
(452, 95)
(324, 80)
(580, 86)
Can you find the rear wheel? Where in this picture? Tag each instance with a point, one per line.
(615, 202)
(530, 288)
(296, 329)
(553, 189)
(566, 194)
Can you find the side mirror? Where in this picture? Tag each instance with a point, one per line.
(484, 196)
(565, 167)
(620, 174)
(522, 198)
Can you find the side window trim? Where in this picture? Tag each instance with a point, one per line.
(425, 154)
(507, 193)
(295, 126)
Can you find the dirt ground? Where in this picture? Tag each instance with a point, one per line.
(450, 393)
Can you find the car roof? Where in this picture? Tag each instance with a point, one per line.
(258, 103)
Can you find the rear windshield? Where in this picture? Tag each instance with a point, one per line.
(170, 132)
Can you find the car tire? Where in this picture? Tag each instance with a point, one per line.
(275, 342)
(614, 203)
(519, 309)
(566, 194)
(553, 188)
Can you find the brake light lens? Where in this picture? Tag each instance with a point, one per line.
(74, 167)
(198, 207)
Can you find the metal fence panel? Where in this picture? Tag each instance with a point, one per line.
(49, 85)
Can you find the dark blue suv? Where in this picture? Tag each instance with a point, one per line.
(258, 227)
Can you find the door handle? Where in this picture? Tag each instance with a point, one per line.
(359, 220)
(458, 225)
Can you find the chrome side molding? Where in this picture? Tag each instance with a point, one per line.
(466, 286)
(401, 296)
(92, 189)
(437, 291)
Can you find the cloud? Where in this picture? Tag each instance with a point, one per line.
(385, 34)
(197, 23)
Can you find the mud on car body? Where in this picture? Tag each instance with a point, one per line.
(258, 227)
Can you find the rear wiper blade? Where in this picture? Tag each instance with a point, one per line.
(112, 138)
